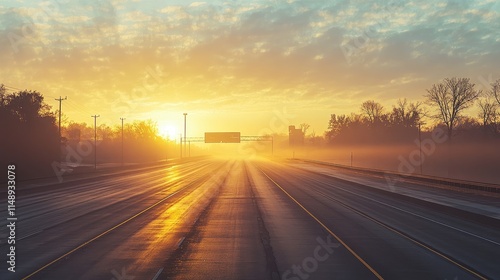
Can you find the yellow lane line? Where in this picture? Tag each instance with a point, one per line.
(327, 229)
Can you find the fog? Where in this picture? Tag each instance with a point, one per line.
(473, 153)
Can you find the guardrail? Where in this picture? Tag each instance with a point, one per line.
(461, 184)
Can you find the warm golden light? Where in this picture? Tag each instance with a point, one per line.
(168, 131)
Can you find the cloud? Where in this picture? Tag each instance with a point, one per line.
(197, 4)
(308, 51)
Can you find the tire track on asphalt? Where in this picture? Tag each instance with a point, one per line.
(265, 238)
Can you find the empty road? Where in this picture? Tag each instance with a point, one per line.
(249, 219)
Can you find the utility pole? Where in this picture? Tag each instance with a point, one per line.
(185, 114)
(95, 140)
(60, 99)
(122, 119)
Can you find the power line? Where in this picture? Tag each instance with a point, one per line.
(11, 88)
(78, 107)
(77, 110)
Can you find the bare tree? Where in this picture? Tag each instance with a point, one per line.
(451, 97)
(314, 139)
(373, 110)
(495, 90)
(304, 127)
(407, 114)
(488, 111)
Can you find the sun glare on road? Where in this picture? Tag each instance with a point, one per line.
(249, 139)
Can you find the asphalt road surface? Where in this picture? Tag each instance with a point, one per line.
(243, 219)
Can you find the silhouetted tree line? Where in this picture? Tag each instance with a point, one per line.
(141, 142)
(29, 138)
(373, 126)
(402, 123)
(29, 134)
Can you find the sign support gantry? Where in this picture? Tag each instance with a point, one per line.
(231, 137)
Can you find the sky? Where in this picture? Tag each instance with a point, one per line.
(249, 66)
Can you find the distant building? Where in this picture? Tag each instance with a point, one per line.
(295, 136)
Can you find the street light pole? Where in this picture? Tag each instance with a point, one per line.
(185, 114)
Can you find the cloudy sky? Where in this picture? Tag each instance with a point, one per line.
(249, 66)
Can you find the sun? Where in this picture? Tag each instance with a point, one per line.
(168, 131)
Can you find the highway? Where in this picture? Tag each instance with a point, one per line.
(217, 218)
